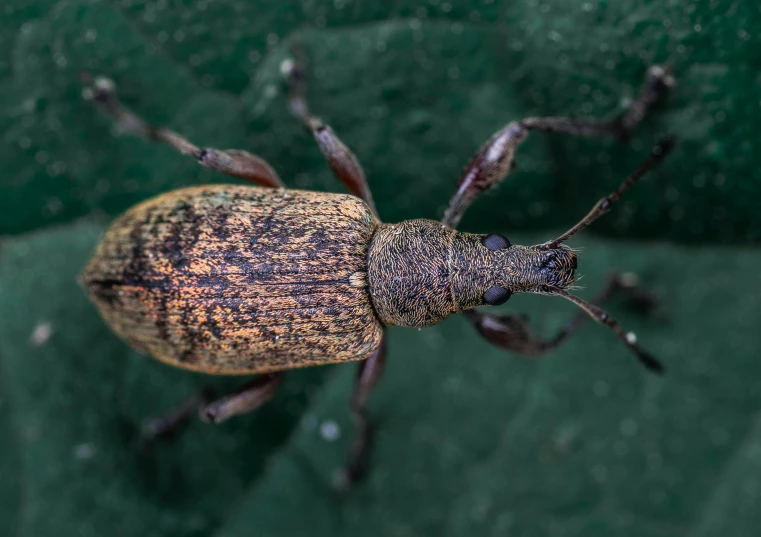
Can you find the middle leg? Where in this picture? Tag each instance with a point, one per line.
(367, 378)
(341, 160)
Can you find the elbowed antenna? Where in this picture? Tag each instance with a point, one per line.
(658, 153)
(601, 316)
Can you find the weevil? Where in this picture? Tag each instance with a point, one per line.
(241, 280)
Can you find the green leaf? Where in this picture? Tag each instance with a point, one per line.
(472, 440)
(11, 477)
(414, 89)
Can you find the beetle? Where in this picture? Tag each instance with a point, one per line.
(241, 280)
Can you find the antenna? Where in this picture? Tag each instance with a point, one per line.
(602, 317)
(658, 153)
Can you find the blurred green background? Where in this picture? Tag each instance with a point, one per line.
(472, 441)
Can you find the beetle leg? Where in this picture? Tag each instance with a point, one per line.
(512, 332)
(367, 377)
(494, 159)
(657, 82)
(171, 423)
(341, 160)
(248, 398)
(234, 162)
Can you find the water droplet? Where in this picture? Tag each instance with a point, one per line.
(286, 66)
(330, 431)
(41, 333)
(84, 451)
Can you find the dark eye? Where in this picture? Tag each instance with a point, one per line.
(495, 242)
(494, 296)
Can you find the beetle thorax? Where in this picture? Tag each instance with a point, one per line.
(420, 272)
(408, 273)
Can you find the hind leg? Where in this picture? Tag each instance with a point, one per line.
(248, 398)
(234, 162)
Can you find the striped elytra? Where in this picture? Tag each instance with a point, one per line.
(232, 279)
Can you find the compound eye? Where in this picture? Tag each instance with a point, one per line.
(496, 295)
(495, 242)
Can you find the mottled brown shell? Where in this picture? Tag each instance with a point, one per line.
(230, 279)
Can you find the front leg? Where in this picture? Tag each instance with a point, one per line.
(513, 333)
(494, 159)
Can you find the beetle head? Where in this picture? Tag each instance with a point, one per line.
(496, 269)
(543, 270)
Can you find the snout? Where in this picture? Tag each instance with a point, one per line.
(558, 266)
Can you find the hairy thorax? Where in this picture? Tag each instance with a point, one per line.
(408, 273)
(420, 272)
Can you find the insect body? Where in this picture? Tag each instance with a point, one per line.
(233, 279)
